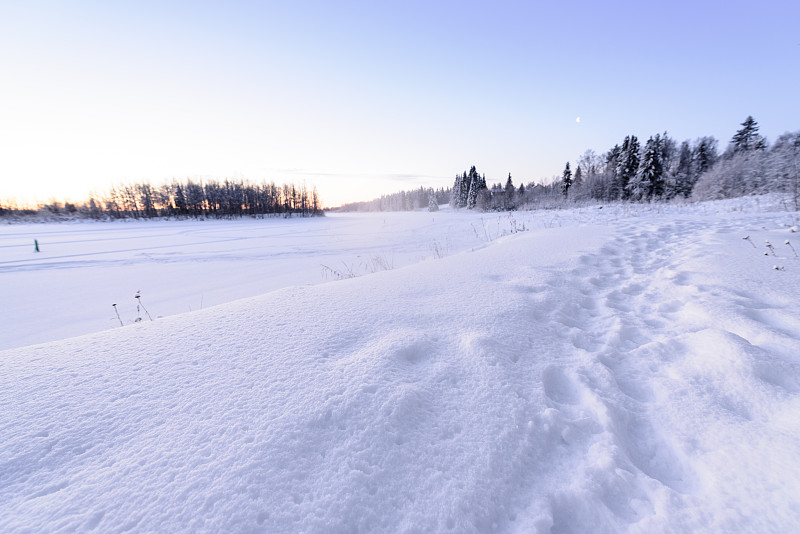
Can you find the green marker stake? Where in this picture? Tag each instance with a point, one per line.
(36, 244)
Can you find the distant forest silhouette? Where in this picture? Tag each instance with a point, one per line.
(210, 199)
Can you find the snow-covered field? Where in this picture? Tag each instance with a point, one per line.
(82, 269)
(625, 369)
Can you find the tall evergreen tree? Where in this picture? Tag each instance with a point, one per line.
(747, 138)
(180, 200)
(649, 180)
(466, 188)
(627, 165)
(466, 181)
(684, 171)
(474, 187)
(457, 193)
(704, 156)
(509, 185)
(566, 180)
(611, 189)
(433, 205)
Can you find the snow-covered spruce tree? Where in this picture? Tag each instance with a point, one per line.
(433, 205)
(639, 184)
(566, 180)
(636, 187)
(477, 188)
(747, 139)
(627, 166)
(473, 176)
(454, 192)
(704, 155)
(683, 171)
(458, 191)
(510, 194)
(649, 180)
(474, 186)
(461, 192)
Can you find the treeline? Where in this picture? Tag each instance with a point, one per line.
(663, 169)
(762, 169)
(190, 199)
(658, 169)
(403, 201)
(470, 190)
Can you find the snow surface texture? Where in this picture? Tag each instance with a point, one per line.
(634, 369)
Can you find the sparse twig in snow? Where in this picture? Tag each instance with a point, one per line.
(791, 247)
(438, 250)
(138, 297)
(514, 227)
(486, 237)
(380, 263)
(118, 317)
(747, 238)
(771, 248)
(347, 272)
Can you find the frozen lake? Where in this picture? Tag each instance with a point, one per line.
(68, 288)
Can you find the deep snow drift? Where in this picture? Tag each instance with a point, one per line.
(631, 369)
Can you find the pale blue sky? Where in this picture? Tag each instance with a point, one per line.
(364, 98)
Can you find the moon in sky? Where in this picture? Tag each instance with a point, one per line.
(577, 119)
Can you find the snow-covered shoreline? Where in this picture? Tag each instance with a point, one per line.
(633, 370)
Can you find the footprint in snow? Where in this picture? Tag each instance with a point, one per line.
(559, 387)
